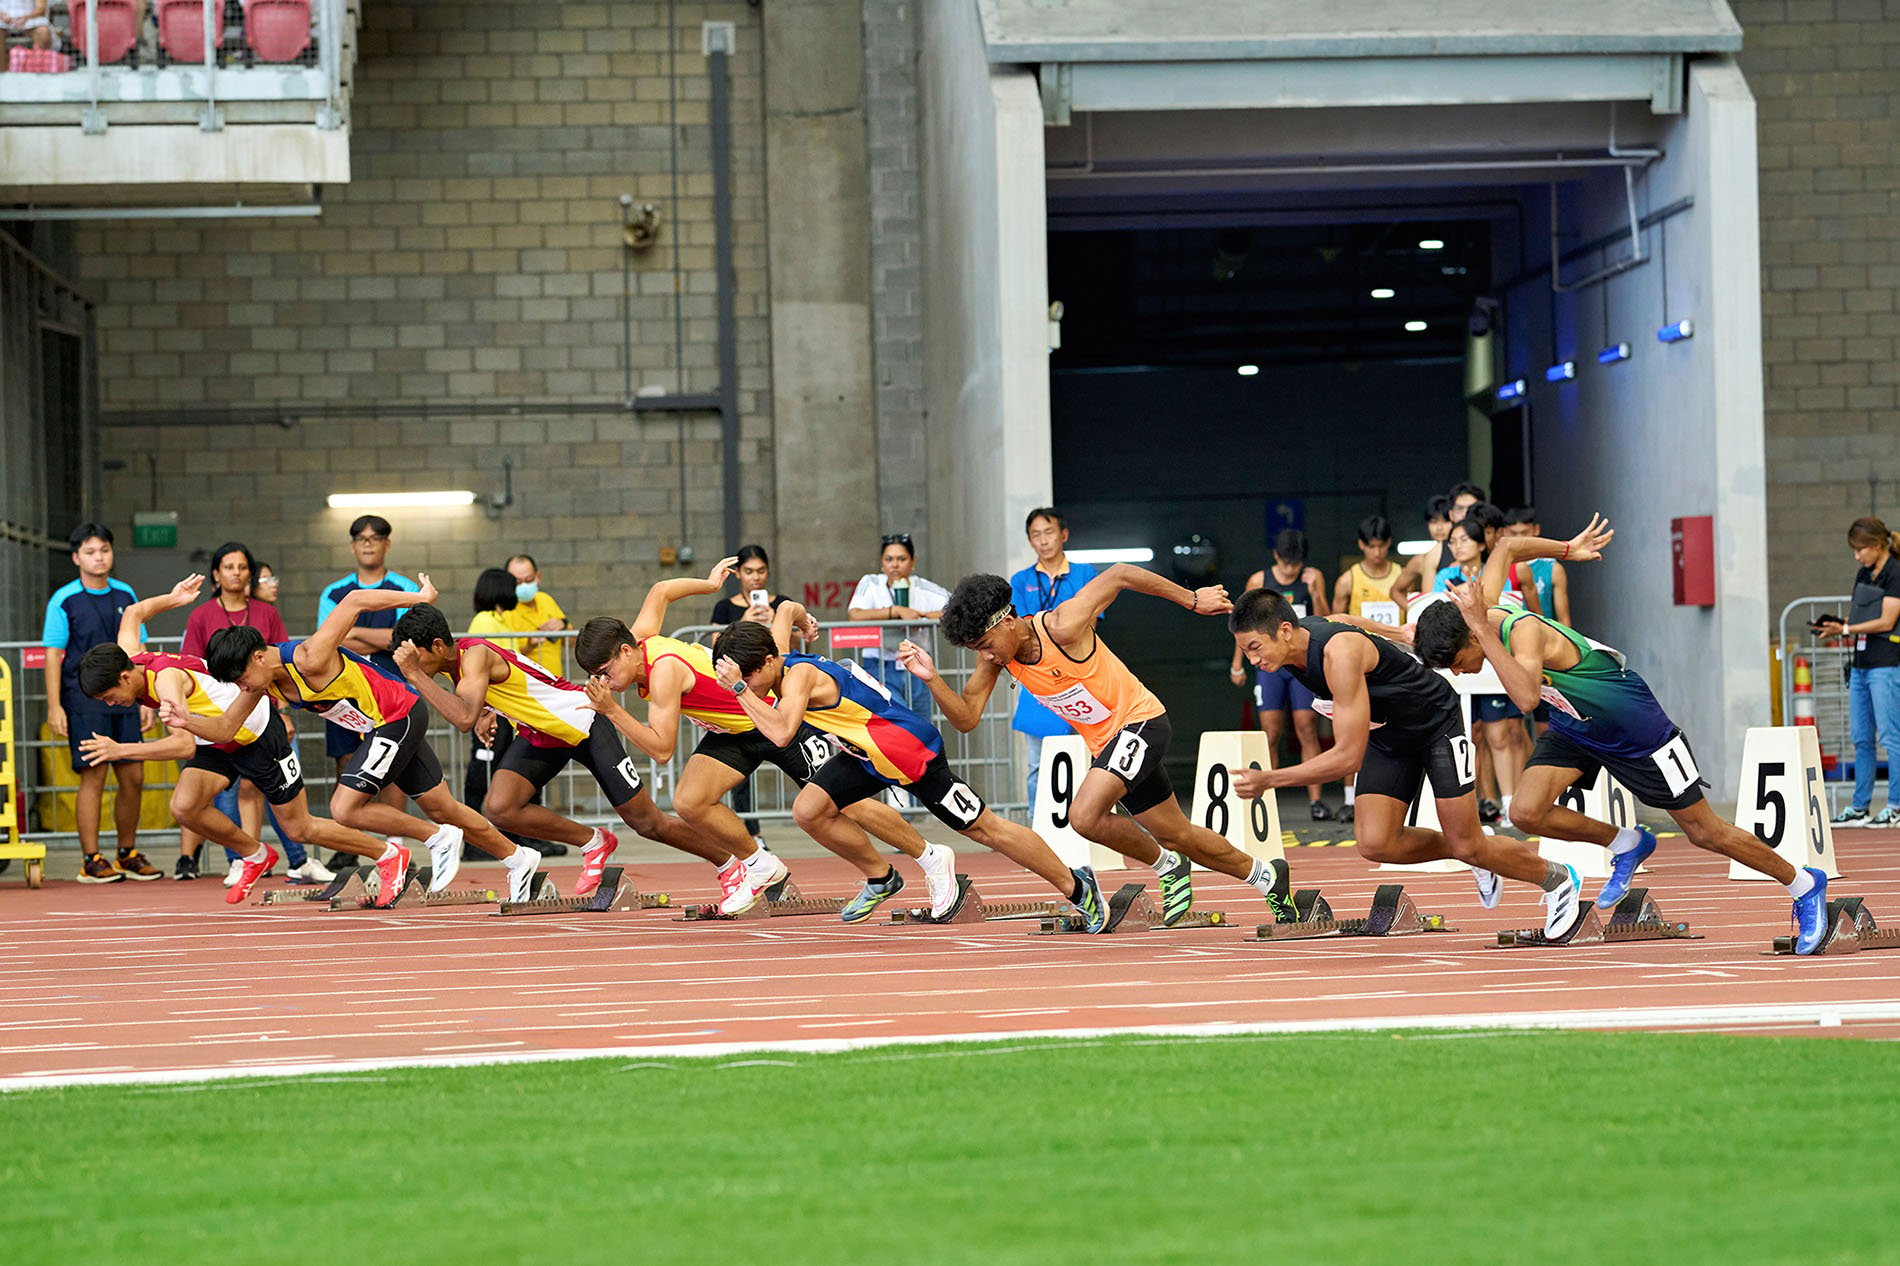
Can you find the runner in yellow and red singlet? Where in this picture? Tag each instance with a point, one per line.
(1056, 656)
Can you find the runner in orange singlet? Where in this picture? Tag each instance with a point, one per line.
(1056, 656)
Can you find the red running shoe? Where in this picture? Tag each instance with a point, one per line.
(731, 875)
(249, 872)
(593, 858)
(391, 874)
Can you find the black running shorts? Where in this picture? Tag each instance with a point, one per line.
(1666, 779)
(953, 802)
(1136, 755)
(397, 753)
(269, 762)
(747, 751)
(600, 754)
(1447, 759)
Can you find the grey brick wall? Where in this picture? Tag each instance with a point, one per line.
(474, 258)
(1826, 79)
(891, 139)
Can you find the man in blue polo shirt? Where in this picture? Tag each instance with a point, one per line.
(79, 617)
(369, 542)
(1052, 579)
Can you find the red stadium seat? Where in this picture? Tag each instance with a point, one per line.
(277, 30)
(181, 27)
(118, 29)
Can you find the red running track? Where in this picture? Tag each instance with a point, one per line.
(164, 981)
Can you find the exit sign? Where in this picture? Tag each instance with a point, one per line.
(155, 529)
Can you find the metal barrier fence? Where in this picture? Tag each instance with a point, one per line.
(984, 757)
(1828, 666)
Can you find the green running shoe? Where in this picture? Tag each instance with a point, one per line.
(870, 897)
(1093, 907)
(1177, 888)
(1280, 897)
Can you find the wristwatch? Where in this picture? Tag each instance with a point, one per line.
(738, 688)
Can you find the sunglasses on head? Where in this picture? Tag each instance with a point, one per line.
(897, 538)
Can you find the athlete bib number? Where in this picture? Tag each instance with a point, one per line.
(1463, 760)
(381, 755)
(817, 750)
(1127, 753)
(289, 769)
(347, 715)
(1380, 612)
(962, 803)
(1077, 706)
(1677, 764)
(626, 770)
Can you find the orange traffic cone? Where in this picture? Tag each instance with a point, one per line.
(1803, 709)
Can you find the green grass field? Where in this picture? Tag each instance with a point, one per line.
(1534, 1148)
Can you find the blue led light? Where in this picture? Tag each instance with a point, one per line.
(1613, 353)
(1513, 390)
(1676, 333)
(1566, 372)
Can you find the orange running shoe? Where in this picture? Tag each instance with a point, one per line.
(391, 874)
(593, 857)
(249, 872)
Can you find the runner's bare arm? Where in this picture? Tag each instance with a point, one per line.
(1586, 546)
(1521, 669)
(962, 710)
(1348, 660)
(178, 744)
(652, 617)
(1316, 585)
(1073, 622)
(182, 594)
(318, 652)
(791, 621)
(779, 724)
(657, 735)
(219, 729)
(465, 706)
(1401, 633)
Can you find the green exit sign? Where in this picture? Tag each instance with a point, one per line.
(155, 529)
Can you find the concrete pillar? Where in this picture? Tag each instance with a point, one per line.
(818, 189)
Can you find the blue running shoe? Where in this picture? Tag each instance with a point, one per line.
(1623, 869)
(1810, 915)
(870, 897)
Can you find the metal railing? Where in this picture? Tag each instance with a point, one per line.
(984, 757)
(1828, 667)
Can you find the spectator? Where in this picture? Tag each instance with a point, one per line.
(1278, 693)
(369, 543)
(265, 587)
(503, 618)
(1421, 568)
(1873, 678)
(894, 593)
(754, 577)
(1365, 588)
(27, 20)
(1041, 586)
(232, 604)
(1543, 577)
(80, 616)
(545, 613)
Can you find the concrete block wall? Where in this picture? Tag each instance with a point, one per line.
(1826, 79)
(474, 258)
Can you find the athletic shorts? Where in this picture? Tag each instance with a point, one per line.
(1136, 755)
(1665, 779)
(600, 754)
(1447, 759)
(269, 763)
(120, 727)
(953, 802)
(746, 752)
(1494, 708)
(397, 753)
(1279, 692)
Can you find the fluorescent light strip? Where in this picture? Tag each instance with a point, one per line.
(1682, 329)
(1409, 548)
(399, 500)
(1563, 372)
(1135, 555)
(1414, 327)
(1248, 371)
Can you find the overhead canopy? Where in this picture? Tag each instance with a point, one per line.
(1263, 54)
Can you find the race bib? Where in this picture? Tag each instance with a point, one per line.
(1677, 765)
(1380, 612)
(347, 715)
(1077, 706)
(1325, 708)
(1555, 698)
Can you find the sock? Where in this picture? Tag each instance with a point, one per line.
(759, 860)
(255, 859)
(1504, 805)
(515, 859)
(1626, 839)
(1803, 884)
(888, 878)
(1168, 860)
(389, 851)
(730, 863)
(594, 841)
(1262, 878)
(1555, 877)
(1075, 893)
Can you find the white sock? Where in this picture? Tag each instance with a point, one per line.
(257, 857)
(730, 863)
(516, 860)
(1504, 805)
(389, 851)
(594, 841)
(1626, 839)
(759, 860)
(1262, 878)
(930, 854)
(1167, 859)
(1803, 884)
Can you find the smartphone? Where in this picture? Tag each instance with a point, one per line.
(760, 598)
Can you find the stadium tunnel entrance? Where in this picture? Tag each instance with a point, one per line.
(1308, 274)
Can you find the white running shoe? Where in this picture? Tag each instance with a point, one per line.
(940, 875)
(236, 872)
(445, 856)
(1490, 887)
(521, 866)
(311, 872)
(757, 879)
(1566, 906)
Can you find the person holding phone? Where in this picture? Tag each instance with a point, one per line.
(1872, 628)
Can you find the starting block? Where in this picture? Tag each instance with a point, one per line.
(415, 894)
(347, 891)
(1392, 914)
(1850, 929)
(779, 901)
(970, 907)
(1131, 909)
(1635, 918)
(617, 894)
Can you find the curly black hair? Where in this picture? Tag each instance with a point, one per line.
(1440, 635)
(423, 624)
(966, 617)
